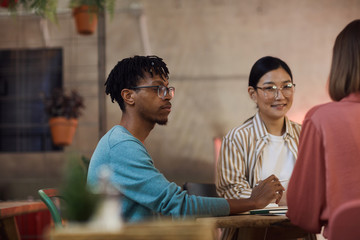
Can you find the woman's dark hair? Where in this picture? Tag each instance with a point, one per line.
(128, 72)
(265, 65)
(345, 67)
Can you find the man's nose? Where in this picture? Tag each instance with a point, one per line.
(167, 96)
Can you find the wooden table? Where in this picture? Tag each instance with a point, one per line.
(261, 226)
(10, 209)
(164, 230)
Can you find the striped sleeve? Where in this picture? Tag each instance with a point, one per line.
(231, 180)
(294, 132)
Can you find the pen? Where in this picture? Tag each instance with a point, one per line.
(283, 180)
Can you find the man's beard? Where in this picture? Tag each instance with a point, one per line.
(158, 120)
(162, 122)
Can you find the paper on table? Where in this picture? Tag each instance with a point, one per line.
(270, 209)
(272, 205)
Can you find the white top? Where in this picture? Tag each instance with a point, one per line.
(277, 160)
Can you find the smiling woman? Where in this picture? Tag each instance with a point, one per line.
(274, 98)
(266, 143)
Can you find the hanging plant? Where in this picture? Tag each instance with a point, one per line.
(8, 3)
(63, 111)
(85, 13)
(42, 8)
(47, 9)
(61, 104)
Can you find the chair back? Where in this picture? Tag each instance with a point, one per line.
(345, 222)
(51, 199)
(201, 189)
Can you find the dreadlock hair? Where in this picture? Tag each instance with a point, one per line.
(128, 72)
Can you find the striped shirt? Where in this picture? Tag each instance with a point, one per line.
(240, 159)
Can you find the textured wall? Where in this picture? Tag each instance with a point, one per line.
(210, 46)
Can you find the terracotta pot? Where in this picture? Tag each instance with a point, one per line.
(85, 19)
(5, 3)
(62, 130)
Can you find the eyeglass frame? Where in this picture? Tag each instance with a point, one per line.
(277, 89)
(166, 91)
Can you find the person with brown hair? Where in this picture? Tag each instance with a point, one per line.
(326, 173)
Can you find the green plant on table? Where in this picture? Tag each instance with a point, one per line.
(81, 203)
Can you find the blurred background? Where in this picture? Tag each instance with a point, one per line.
(209, 47)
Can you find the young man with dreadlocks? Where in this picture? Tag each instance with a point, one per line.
(140, 85)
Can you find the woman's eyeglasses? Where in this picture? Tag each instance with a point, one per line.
(273, 91)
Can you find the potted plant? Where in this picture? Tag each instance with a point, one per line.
(86, 13)
(63, 110)
(43, 8)
(8, 3)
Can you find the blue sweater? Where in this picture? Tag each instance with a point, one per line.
(146, 192)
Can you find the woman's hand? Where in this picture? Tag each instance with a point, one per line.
(264, 193)
(267, 191)
(283, 201)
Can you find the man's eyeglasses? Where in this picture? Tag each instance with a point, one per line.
(273, 91)
(162, 91)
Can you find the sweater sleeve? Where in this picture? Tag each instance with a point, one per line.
(231, 182)
(307, 190)
(140, 181)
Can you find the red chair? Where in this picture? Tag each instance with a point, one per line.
(345, 222)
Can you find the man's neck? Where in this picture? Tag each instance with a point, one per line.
(139, 129)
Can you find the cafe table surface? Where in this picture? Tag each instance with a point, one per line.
(154, 230)
(10, 209)
(270, 226)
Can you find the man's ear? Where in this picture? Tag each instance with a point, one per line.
(252, 94)
(128, 96)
